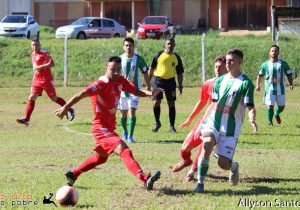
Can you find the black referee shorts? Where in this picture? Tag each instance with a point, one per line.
(169, 86)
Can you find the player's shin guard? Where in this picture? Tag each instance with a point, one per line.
(195, 163)
(88, 164)
(278, 111)
(186, 155)
(156, 110)
(270, 114)
(123, 122)
(29, 109)
(132, 122)
(202, 170)
(132, 165)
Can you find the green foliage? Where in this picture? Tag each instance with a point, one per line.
(86, 58)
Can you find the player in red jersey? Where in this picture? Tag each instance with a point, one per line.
(42, 80)
(190, 142)
(105, 94)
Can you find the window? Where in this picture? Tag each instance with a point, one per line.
(294, 3)
(108, 23)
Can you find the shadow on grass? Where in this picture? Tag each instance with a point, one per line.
(175, 192)
(256, 190)
(85, 206)
(216, 178)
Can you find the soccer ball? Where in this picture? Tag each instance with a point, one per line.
(66, 196)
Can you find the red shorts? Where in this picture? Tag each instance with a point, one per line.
(105, 141)
(190, 140)
(38, 87)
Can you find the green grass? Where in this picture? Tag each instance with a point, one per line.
(34, 158)
(87, 57)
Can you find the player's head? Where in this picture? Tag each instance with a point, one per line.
(112, 67)
(35, 44)
(274, 51)
(128, 45)
(169, 45)
(234, 58)
(220, 65)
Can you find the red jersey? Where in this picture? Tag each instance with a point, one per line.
(206, 90)
(39, 58)
(105, 95)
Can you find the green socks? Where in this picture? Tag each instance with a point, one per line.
(132, 122)
(270, 114)
(124, 124)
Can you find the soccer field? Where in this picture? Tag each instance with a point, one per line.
(34, 158)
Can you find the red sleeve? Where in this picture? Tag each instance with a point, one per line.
(94, 88)
(127, 86)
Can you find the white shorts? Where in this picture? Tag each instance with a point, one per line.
(130, 102)
(272, 99)
(225, 145)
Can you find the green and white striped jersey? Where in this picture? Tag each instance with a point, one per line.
(231, 96)
(275, 82)
(130, 70)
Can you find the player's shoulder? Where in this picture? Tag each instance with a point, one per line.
(42, 50)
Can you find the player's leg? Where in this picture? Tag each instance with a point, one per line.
(209, 141)
(185, 151)
(157, 83)
(225, 151)
(270, 114)
(123, 106)
(86, 165)
(51, 92)
(35, 92)
(269, 100)
(170, 92)
(133, 103)
(280, 107)
(132, 165)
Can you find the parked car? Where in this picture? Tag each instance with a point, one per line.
(19, 26)
(156, 27)
(91, 27)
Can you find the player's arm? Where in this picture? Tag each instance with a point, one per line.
(61, 112)
(180, 86)
(147, 80)
(198, 107)
(258, 80)
(290, 79)
(145, 93)
(49, 64)
(252, 117)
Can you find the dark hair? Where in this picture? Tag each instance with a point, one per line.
(35, 40)
(129, 39)
(115, 59)
(170, 39)
(220, 58)
(274, 45)
(236, 52)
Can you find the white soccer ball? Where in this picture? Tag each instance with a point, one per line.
(66, 196)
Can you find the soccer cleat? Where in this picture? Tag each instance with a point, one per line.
(234, 176)
(156, 126)
(23, 121)
(124, 136)
(190, 176)
(150, 181)
(71, 114)
(70, 177)
(199, 188)
(172, 129)
(270, 124)
(181, 165)
(130, 140)
(278, 120)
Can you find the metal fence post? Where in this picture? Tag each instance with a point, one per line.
(203, 59)
(66, 62)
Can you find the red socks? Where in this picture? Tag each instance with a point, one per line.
(132, 165)
(195, 163)
(29, 109)
(88, 164)
(60, 101)
(185, 155)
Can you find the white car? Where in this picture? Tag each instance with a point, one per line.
(19, 26)
(91, 27)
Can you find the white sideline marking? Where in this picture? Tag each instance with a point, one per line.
(66, 128)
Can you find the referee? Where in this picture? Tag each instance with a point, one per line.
(165, 65)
